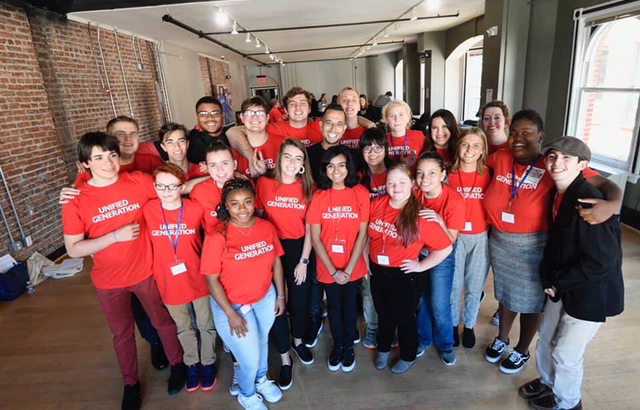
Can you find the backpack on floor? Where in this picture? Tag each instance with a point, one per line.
(13, 283)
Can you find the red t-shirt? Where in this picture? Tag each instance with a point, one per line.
(556, 205)
(194, 172)
(494, 148)
(410, 144)
(378, 185)
(351, 137)
(99, 211)
(141, 162)
(308, 135)
(444, 153)
(285, 206)
(383, 234)
(269, 152)
(209, 196)
(339, 213)
(275, 116)
(187, 286)
(472, 186)
(244, 259)
(148, 148)
(450, 205)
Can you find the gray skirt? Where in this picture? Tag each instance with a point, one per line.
(515, 259)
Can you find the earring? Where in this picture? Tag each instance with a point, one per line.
(301, 170)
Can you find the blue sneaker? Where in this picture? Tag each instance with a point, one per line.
(193, 377)
(209, 379)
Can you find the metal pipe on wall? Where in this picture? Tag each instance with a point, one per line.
(13, 245)
(26, 241)
(124, 76)
(106, 74)
(93, 52)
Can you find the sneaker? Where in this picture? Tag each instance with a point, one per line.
(268, 390)
(193, 377)
(456, 337)
(348, 359)
(315, 327)
(252, 402)
(401, 366)
(550, 402)
(131, 400)
(448, 358)
(495, 319)
(334, 360)
(357, 339)
(382, 359)
(370, 338)
(534, 389)
(420, 351)
(468, 338)
(303, 353)
(494, 352)
(209, 379)
(177, 378)
(483, 296)
(234, 389)
(325, 311)
(515, 362)
(285, 378)
(158, 358)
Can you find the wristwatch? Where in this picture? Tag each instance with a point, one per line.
(304, 261)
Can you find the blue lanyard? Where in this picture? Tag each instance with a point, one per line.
(514, 189)
(174, 245)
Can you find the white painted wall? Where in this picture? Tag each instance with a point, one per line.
(325, 76)
(381, 70)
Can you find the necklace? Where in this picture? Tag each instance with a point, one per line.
(242, 230)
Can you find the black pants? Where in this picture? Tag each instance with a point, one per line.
(396, 296)
(343, 312)
(298, 300)
(147, 331)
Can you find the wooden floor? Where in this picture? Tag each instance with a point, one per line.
(56, 353)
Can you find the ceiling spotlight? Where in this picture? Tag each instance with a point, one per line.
(221, 18)
(248, 38)
(266, 51)
(271, 56)
(385, 34)
(234, 30)
(257, 43)
(375, 41)
(414, 14)
(282, 63)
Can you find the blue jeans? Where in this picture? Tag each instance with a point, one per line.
(435, 323)
(252, 351)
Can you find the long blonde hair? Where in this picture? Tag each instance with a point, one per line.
(481, 165)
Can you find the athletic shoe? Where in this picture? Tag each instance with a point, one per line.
(193, 377)
(268, 390)
(534, 389)
(234, 390)
(495, 351)
(158, 358)
(357, 339)
(401, 366)
(370, 338)
(285, 378)
(550, 403)
(315, 327)
(448, 358)
(177, 378)
(131, 400)
(495, 319)
(515, 362)
(382, 359)
(209, 379)
(348, 359)
(420, 351)
(456, 337)
(303, 353)
(468, 338)
(335, 359)
(252, 402)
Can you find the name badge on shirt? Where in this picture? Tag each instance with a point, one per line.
(338, 247)
(244, 309)
(468, 226)
(535, 175)
(508, 217)
(178, 267)
(383, 260)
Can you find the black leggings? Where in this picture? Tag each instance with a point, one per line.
(298, 300)
(343, 312)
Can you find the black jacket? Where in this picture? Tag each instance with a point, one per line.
(199, 142)
(583, 261)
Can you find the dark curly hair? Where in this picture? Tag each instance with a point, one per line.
(234, 184)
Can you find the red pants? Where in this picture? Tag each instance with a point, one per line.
(116, 306)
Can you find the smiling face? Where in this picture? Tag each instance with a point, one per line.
(350, 102)
(563, 168)
(440, 134)
(255, 118)
(494, 123)
(210, 118)
(399, 185)
(333, 126)
(397, 118)
(128, 137)
(373, 154)
(240, 204)
(221, 166)
(291, 161)
(298, 108)
(175, 143)
(168, 188)
(103, 164)
(470, 149)
(524, 140)
(337, 170)
(429, 176)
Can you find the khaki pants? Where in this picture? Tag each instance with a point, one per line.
(187, 335)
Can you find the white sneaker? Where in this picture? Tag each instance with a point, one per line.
(234, 390)
(268, 390)
(252, 402)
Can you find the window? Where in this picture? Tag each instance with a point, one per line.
(399, 77)
(472, 83)
(604, 104)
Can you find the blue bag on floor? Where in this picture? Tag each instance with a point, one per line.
(14, 282)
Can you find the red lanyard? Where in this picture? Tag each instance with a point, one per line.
(475, 176)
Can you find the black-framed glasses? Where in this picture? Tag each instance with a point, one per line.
(374, 148)
(170, 187)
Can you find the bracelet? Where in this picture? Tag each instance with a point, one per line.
(115, 238)
(280, 297)
(334, 273)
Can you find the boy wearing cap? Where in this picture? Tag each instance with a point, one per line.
(581, 273)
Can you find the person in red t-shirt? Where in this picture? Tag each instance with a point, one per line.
(275, 114)
(444, 206)
(470, 177)
(494, 121)
(396, 235)
(349, 99)
(284, 200)
(338, 217)
(405, 145)
(174, 226)
(241, 264)
(105, 221)
(443, 132)
(174, 142)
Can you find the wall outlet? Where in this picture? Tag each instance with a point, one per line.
(28, 241)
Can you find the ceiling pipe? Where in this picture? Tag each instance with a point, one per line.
(325, 48)
(359, 23)
(168, 19)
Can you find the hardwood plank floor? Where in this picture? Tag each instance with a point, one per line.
(56, 353)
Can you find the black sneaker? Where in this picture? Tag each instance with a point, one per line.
(158, 358)
(177, 378)
(514, 362)
(348, 359)
(314, 329)
(193, 377)
(456, 337)
(285, 378)
(495, 351)
(303, 353)
(357, 339)
(131, 400)
(334, 360)
(468, 338)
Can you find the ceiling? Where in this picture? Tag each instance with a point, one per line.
(268, 14)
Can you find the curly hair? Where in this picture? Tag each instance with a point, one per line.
(232, 185)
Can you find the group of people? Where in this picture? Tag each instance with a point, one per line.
(249, 231)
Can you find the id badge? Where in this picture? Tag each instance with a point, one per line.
(468, 226)
(508, 217)
(338, 247)
(178, 267)
(383, 260)
(244, 309)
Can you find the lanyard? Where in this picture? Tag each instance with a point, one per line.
(337, 223)
(514, 189)
(384, 219)
(174, 245)
(405, 143)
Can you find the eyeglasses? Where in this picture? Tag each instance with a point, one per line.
(162, 187)
(255, 113)
(368, 150)
(214, 114)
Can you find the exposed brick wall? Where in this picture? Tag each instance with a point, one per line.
(216, 71)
